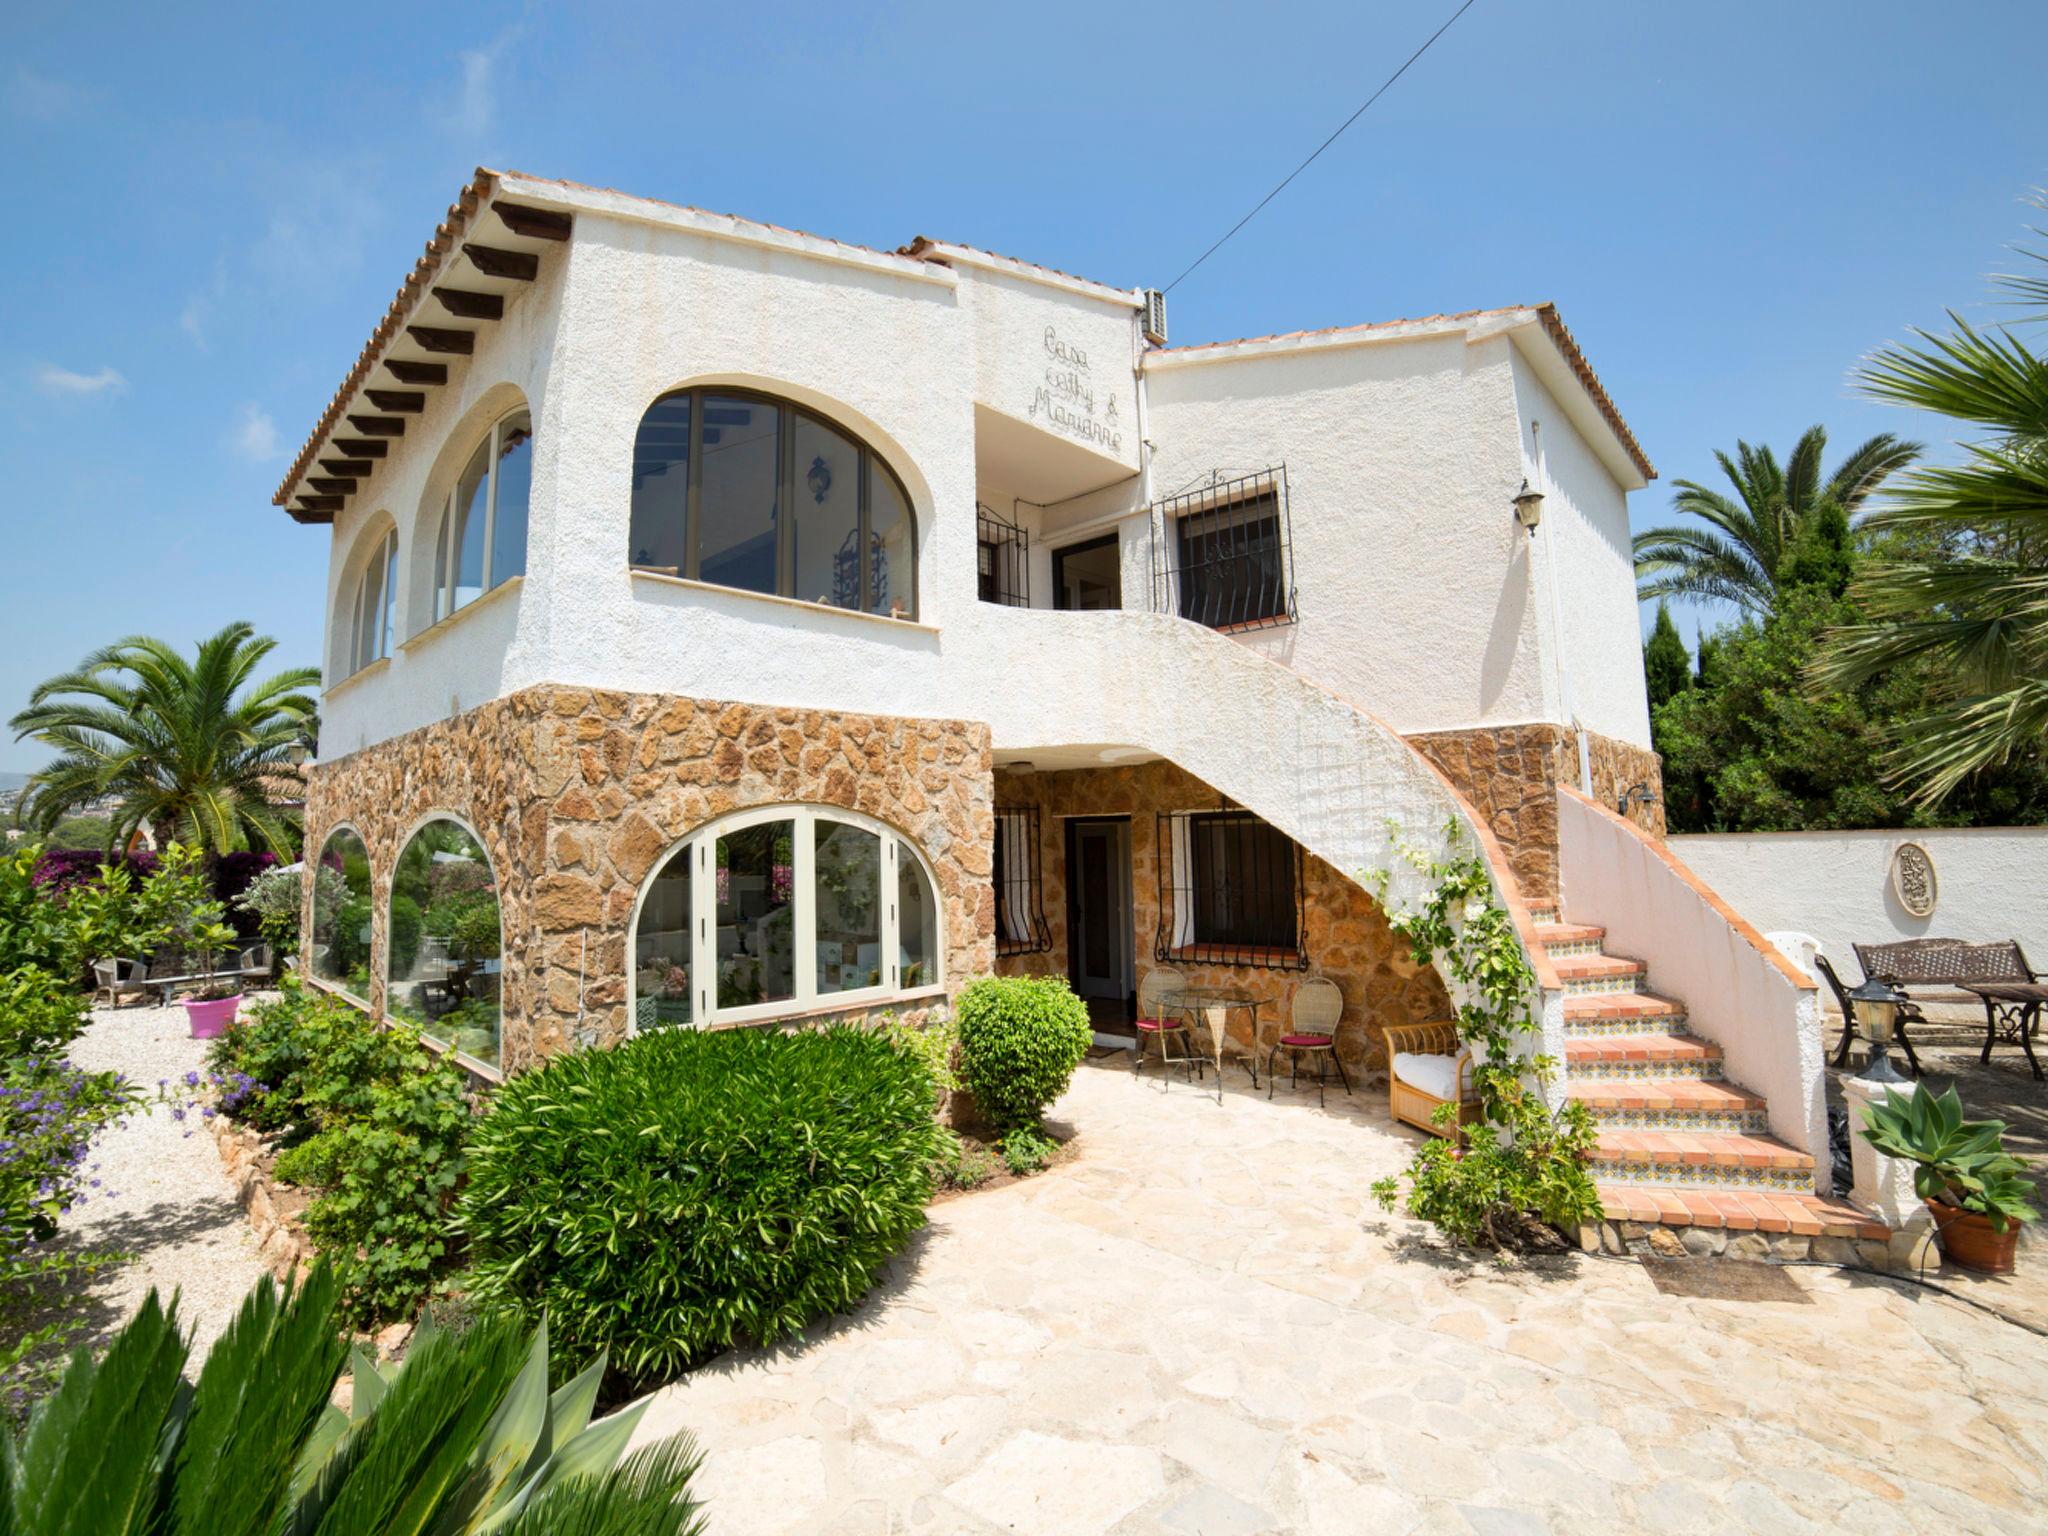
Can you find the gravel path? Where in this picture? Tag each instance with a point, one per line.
(164, 1196)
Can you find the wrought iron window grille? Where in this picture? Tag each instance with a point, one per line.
(1021, 928)
(1003, 559)
(1230, 892)
(1226, 558)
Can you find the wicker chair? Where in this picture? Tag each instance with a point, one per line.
(1415, 1105)
(1312, 1020)
(1162, 1016)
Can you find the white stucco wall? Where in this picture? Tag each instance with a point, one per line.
(1415, 589)
(1584, 541)
(1737, 990)
(1837, 885)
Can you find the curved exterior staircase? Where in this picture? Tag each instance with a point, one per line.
(1680, 1146)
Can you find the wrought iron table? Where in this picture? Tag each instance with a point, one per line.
(2012, 1008)
(1214, 1006)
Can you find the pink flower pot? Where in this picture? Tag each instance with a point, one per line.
(212, 1017)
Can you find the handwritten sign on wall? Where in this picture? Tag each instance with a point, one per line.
(1065, 397)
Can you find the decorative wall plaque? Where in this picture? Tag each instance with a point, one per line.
(1913, 879)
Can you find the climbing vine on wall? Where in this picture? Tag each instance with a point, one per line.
(1523, 1168)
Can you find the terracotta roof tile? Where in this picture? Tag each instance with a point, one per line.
(923, 244)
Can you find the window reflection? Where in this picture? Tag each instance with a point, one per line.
(756, 878)
(848, 905)
(444, 965)
(339, 950)
(661, 948)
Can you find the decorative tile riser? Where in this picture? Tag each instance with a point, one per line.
(1565, 948)
(1656, 1024)
(1580, 986)
(1798, 1181)
(1543, 914)
(1622, 1071)
(1735, 1122)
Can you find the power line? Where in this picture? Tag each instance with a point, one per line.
(1354, 117)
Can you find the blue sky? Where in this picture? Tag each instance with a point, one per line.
(210, 206)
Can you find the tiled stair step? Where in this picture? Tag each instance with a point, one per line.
(1620, 1013)
(1603, 974)
(1671, 1104)
(1651, 1054)
(1541, 916)
(1561, 939)
(1701, 1160)
(1739, 1210)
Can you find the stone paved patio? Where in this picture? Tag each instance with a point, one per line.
(1201, 1325)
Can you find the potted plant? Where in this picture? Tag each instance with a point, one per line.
(1975, 1188)
(211, 1009)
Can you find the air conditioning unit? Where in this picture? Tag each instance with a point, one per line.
(1155, 317)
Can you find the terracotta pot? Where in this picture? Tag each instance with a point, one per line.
(210, 1017)
(1972, 1241)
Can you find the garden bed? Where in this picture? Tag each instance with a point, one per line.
(275, 1209)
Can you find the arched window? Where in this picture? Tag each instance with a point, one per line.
(481, 541)
(340, 947)
(781, 911)
(748, 491)
(373, 611)
(445, 942)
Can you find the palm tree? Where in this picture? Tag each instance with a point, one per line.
(1973, 597)
(1736, 557)
(193, 750)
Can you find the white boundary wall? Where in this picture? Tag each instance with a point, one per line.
(1991, 883)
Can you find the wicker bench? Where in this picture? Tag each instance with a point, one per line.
(1996, 974)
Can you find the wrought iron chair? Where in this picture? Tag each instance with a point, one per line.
(1312, 1020)
(1909, 1013)
(1162, 1016)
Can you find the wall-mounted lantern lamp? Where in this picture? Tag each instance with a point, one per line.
(1877, 1005)
(1528, 508)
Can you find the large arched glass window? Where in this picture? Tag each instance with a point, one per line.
(780, 911)
(444, 945)
(373, 606)
(748, 491)
(339, 951)
(481, 541)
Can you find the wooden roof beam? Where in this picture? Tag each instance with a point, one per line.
(378, 426)
(363, 447)
(434, 339)
(533, 223)
(520, 266)
(354, 469)
(409, 402)
(465, 305)
(406, 371)
(330, 486)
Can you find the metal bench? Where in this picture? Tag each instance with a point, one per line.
(169, 972)
(1996, 974)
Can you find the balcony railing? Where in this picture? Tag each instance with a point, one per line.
(1002, 553)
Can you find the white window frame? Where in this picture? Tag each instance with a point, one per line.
(447, 555)
(702, 848)
(377, 634)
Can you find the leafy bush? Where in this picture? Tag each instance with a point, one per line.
(387, 1187)
(272, 900)
(963, 1164)
(1961, 1163)
(374, 1123)
(461, 1438)
(1020, 1039)
(934, 1045)
(1027, 1149)
(689, 1190)
(40, 1012)
(1523, 1162)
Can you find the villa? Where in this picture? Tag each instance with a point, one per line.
(780, 628)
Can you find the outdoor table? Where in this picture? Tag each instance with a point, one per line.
(1214, 1006)
(2015, 1008)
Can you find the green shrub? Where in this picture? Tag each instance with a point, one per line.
(963, 1164)
(689, 1190)
(1027, 1149)
(387, 1189)
(40, 1012)
(318, 1058)
(1020, 1039)
(934, 1045)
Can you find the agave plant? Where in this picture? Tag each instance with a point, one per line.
(1955, 1161)
(462, 1439)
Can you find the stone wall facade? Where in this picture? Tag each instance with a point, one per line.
(577, 794)
(1346, 935)
(1509, 775)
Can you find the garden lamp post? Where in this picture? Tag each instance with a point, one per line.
(1877, 1005)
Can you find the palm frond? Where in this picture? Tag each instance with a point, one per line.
(1873, 462)
(1974, 376)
